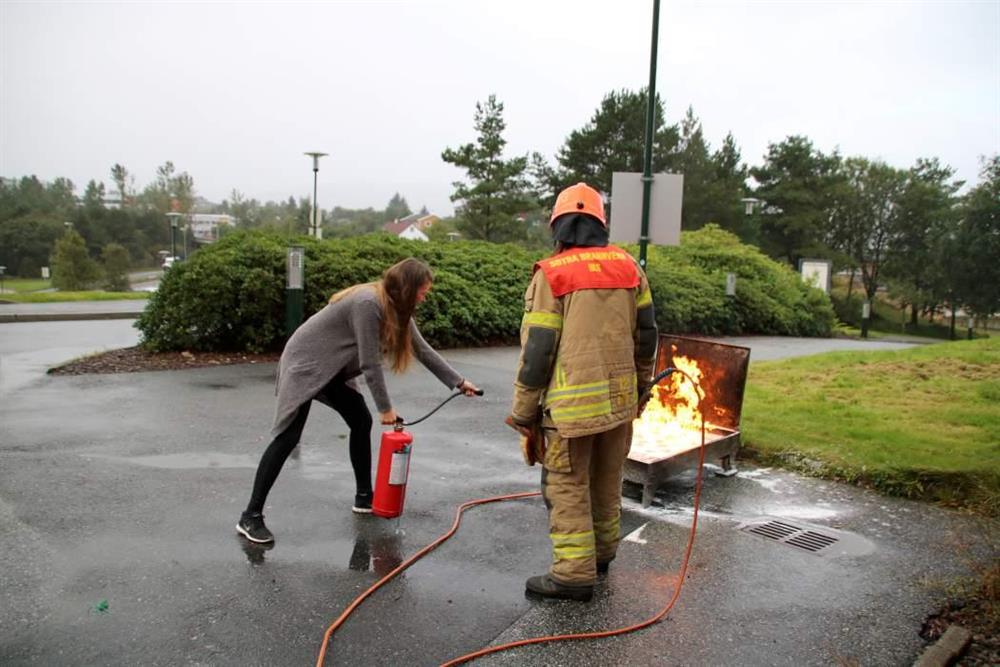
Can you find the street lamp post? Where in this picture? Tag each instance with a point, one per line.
(647, 157)
(315, 230)
(173, 216)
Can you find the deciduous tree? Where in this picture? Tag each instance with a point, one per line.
(869, 216)
(927, 213)
(977, 261)
(796, 183)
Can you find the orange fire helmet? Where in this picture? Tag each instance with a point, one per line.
(579, 198)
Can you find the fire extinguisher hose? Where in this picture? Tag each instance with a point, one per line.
(655, 618)
(399, 420)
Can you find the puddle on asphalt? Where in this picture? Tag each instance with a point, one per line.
(185, 461)
(310, 462)
(375, 549)
(214, 385)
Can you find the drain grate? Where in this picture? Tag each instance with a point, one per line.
(792, 535)
(811, 540)
(775, 530)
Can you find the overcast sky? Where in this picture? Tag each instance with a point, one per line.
(234, 92)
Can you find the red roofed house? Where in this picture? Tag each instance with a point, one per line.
(411, 227)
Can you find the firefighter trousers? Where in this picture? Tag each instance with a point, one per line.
(582, 485)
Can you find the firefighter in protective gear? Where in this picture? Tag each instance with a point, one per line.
(588, 346)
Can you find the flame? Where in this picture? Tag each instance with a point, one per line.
(671, 422)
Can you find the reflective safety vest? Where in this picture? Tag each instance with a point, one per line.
(589, 268)
(583, 372)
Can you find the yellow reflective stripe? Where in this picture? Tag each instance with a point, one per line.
(537, 318)
(645, 299)
(560, 375)
(583, 411)
(567, 553)
(572, 545)
(568, 395)
(562, 392)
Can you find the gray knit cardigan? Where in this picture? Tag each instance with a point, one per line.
(343, 339)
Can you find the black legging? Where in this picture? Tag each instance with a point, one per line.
(351, 406)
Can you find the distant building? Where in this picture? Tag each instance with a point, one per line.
(112, 198)
(412, 227)
(205, 227)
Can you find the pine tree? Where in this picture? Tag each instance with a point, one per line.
(72, 267)
(498, 192)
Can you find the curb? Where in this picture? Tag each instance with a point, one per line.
(58, 317)
(946, 649)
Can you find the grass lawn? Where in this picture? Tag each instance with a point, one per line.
(19, 285)
(921, 423)
(27, 290)
(52, 297)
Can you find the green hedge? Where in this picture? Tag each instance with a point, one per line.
(230, 295)
(689, 290)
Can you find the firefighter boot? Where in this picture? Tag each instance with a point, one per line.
(544, 586)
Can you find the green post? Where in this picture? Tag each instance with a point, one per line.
(647, 158)
(294, 299)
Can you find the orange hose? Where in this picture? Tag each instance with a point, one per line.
(617, 631)
(534, 640)
(410, 561)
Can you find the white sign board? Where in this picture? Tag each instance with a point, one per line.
(296, 260)
(816, 272)
(45, 272)
(664, 208)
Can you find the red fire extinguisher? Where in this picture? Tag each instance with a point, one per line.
(394, 465)
(393, 470)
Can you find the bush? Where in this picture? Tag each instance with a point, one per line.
(115, 258)
(72, 267)
(231, 295)
(689, 282)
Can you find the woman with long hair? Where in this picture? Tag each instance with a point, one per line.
(349, 337)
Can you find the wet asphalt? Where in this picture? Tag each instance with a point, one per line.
(119, 495)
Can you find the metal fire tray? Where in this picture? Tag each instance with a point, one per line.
(721, 444)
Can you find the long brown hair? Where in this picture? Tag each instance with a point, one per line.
(397, 291)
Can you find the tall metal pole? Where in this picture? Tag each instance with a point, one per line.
(172, 216)
(316, 155)
(315, 210)
(647, 158)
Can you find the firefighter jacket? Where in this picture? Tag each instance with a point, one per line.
(588, 341)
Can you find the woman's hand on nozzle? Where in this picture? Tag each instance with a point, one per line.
(469, 389)
(389, 417)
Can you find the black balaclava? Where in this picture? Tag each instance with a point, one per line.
(579, 230)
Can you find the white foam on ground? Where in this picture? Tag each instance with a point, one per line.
(805, 513)
(635, 535)
(759, 477)
(680, 516)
